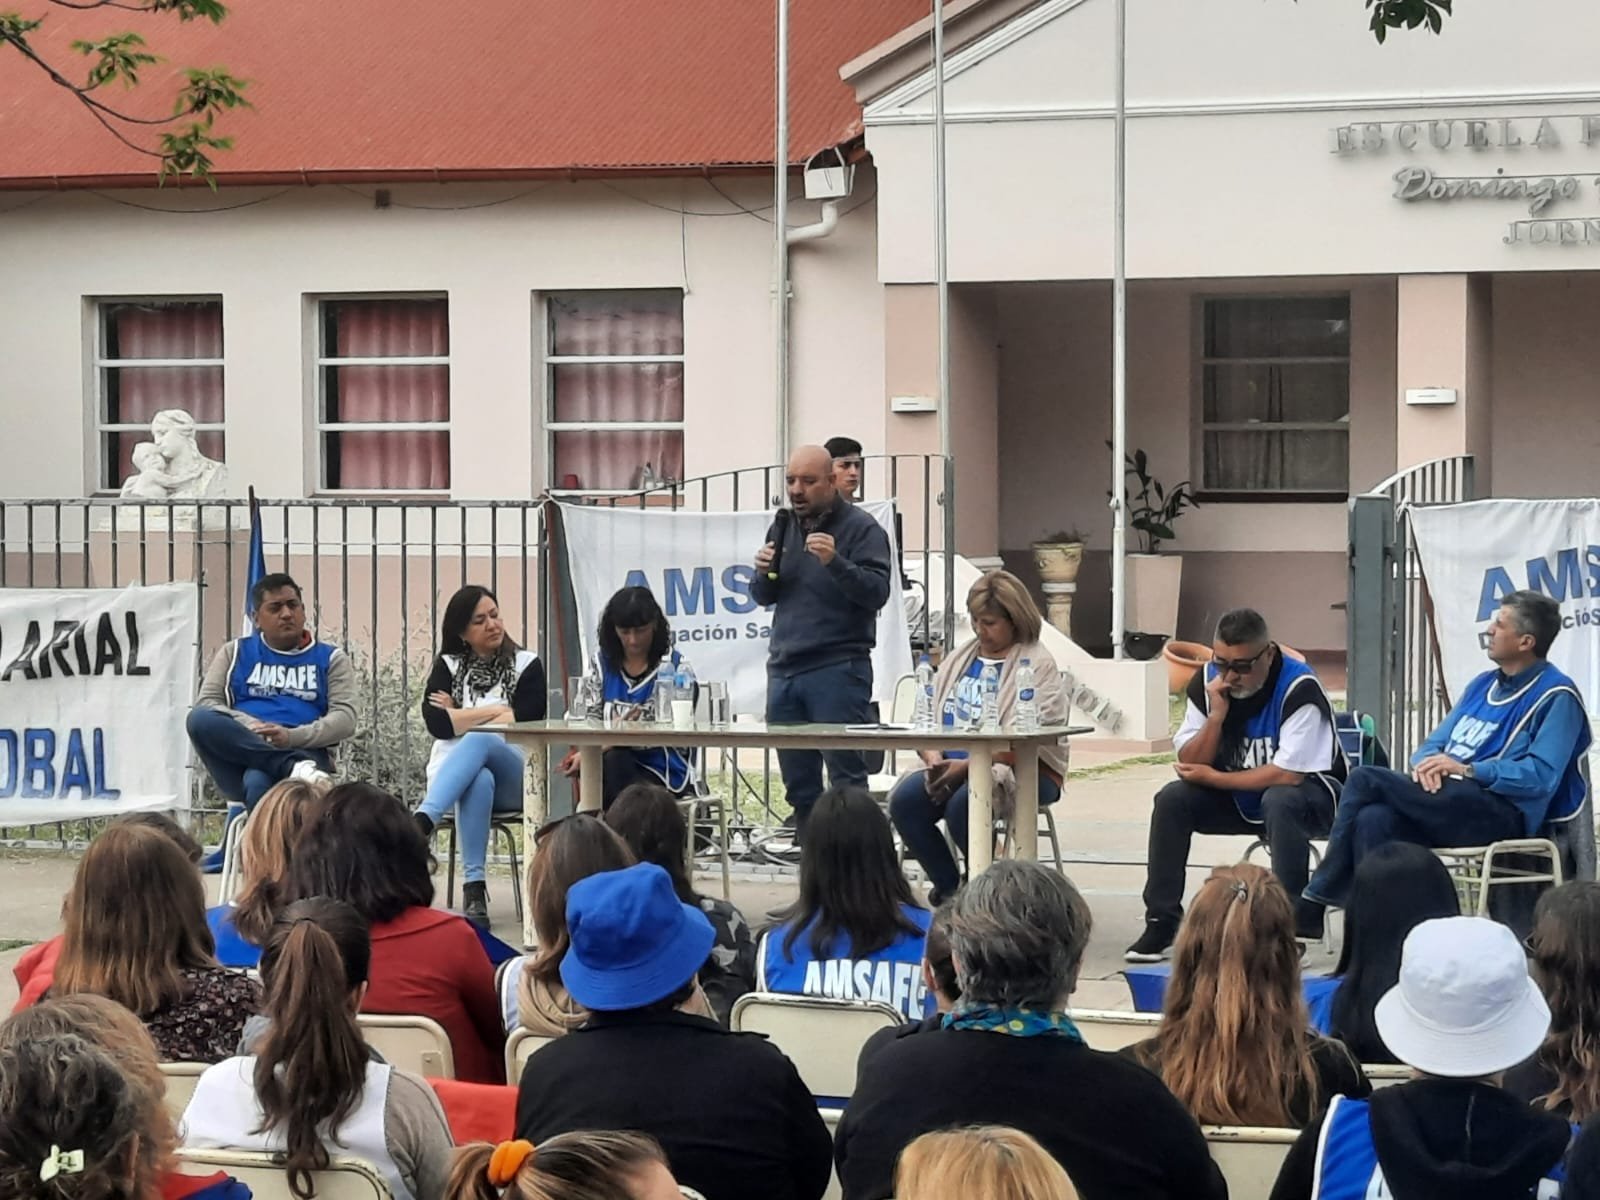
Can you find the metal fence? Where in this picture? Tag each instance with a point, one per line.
(377, 574)
(1394, 665)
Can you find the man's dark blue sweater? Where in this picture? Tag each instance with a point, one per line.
(826, 614)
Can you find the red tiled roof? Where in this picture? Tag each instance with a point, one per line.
(373, 89)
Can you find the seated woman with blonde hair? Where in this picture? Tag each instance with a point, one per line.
(109, 1027)
(981, 1162)
(1007, 625)
(268, 841)
(1235, 1043)
(569, 1166)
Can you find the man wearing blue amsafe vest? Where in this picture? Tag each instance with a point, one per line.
(272, 704)
(1503, 764)
(1257, 754)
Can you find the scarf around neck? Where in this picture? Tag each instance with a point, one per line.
(1012, 1022)
(483, 676)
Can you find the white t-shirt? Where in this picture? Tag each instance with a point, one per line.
(1303, 741)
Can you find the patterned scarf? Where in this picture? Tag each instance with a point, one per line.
(484, 676)
(1012, 1022)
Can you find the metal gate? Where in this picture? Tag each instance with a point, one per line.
(1394, 666)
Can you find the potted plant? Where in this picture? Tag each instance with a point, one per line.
(1058, 556)
(1153, 579)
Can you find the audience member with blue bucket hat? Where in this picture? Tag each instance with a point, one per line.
(729, 1110)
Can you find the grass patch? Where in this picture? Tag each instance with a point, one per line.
(1078, 774)
(14, 943)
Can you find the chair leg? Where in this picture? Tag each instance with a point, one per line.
(727, 861)
(516, 870)
(450, 870)
(1055, 842)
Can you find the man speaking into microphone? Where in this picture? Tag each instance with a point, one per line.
(825, 567)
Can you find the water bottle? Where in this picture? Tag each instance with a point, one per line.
(589, 701)
(950, 721)
(923, 716)
(1027, 718)
(683, 683)
(664, 690)
(991, 699)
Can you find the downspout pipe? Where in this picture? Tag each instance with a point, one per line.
(818, 229)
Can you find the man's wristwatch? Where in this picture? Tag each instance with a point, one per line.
(1467, 772)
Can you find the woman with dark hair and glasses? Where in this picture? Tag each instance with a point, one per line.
(856, 932)
(481, 676)
(634, 640)
(359, 845)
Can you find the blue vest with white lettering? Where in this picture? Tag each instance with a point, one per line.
(286, 688)
(1347, 1158)
(1489, 719)
(892, 976)
(669, 766)
(1261, 732)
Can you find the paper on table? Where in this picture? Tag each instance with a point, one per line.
(879, 727)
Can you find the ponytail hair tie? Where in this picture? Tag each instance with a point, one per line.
(507, 1160)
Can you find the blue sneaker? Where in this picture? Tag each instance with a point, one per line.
(211, 864)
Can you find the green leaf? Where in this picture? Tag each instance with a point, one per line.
(1164, 532)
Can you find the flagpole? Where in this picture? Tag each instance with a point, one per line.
(941, 258)
(1119, 340)
(780, 220)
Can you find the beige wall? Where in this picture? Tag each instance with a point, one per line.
(1545, 425)
(272, 257)
(1055, 418)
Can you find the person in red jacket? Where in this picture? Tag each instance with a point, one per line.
(360, 845)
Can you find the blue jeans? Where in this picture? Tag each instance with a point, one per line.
(480, 777)
(1378, 805)
(837, 694)
(916, 816)
(242, 764)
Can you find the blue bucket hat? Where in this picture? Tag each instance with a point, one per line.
(633, 942)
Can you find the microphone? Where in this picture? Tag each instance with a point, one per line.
(780, 532)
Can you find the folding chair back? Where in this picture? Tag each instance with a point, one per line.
(411, 1043)
(1110, 1029)
(1250, 1157)
(823, 1038)
(182, 1079)
(264, 1174)
(520, 1047)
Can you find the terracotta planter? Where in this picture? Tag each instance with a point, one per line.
(1183, 660)
(1058, 562)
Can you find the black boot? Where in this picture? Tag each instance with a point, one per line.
(475, 903)
(425, 827)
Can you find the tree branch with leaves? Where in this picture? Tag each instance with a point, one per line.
(1407, 14)
(184, 141)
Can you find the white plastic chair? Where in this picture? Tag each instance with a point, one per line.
(823, 1038)
(1250, 1157)
(1112, 1029)
(520, 1047)
(902, 708)
(232, 835)
(264, 1174)
(182, 1079)
(412, 1043)
(1382, 1075)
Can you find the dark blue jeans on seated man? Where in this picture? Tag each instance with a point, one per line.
(1379, 805)
(242, 764)
(916, 816)
(836, 694)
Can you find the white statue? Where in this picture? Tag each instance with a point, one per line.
(170, 465)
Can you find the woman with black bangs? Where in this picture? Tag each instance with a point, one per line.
(634, 640)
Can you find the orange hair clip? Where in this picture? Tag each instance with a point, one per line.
(507, 1160)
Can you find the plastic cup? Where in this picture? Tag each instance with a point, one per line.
(683, 714)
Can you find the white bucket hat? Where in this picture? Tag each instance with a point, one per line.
(1465, 1006)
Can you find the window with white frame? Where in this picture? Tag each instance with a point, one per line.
(150, 355)
(614, 389)
(1275, 395)
(383, 404)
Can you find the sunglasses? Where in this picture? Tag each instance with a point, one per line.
(550, 827)
(1239, 666)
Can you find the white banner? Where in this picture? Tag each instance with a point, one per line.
(699, 567)
(1474, 554)
(94, 687)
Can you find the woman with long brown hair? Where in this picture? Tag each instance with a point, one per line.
(135, 931)
(1235, 1044)
(269, 839)
(313, 1088)
(1564, 1076)
(569, 849)
(110, 1027)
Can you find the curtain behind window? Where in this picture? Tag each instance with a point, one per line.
(133, 395)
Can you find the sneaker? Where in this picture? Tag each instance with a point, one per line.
(424, 824)
(1154, 944)
(211, 864)
(309, 772)
(1309, 918)
(475, 903)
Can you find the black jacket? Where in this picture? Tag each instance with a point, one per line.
(729, 1109)
(826, 614)
(1445, 1139)
(1112, 1124)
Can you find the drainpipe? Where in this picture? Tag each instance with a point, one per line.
(780, 206)
(819, 229)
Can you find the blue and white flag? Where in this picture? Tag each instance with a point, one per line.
(257, 568)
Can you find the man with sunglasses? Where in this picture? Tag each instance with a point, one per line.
(1257, 754)
(1503, 764)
